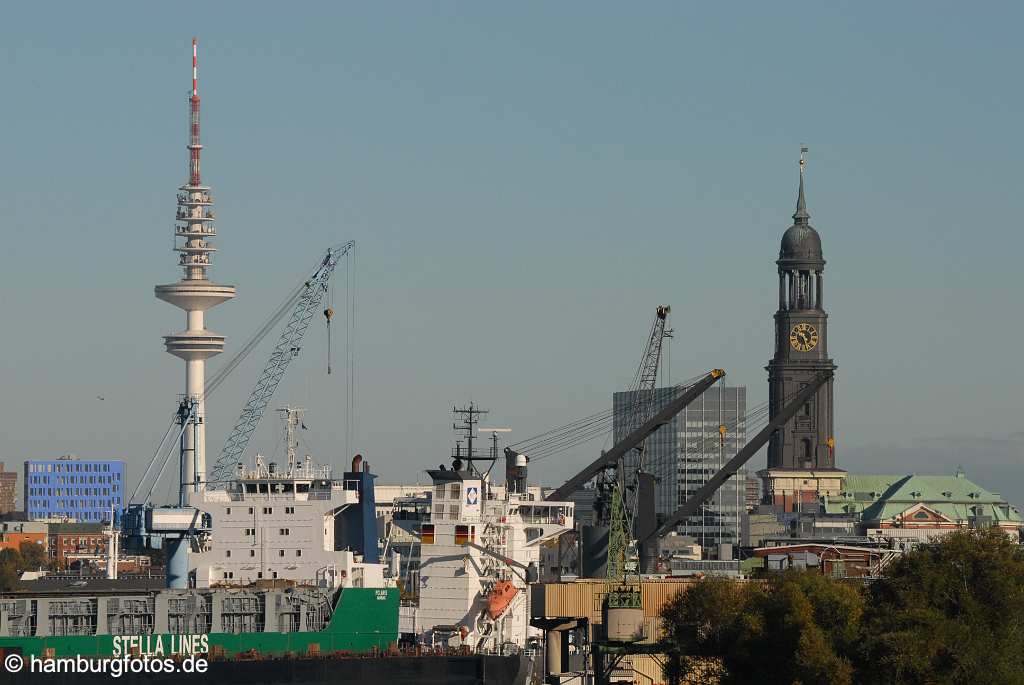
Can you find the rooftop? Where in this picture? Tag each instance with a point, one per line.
(882, 497)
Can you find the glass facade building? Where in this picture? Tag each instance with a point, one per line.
(82, 490)
(686, 452)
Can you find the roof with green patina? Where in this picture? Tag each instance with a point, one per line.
(883, 497)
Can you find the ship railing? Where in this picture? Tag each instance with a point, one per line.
(276, 496)
(542, 519)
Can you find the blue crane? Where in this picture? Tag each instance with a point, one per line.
(307, 299)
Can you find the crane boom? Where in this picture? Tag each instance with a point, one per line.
(641, 409)
(637, 436)
(287, 348)
(691, 505)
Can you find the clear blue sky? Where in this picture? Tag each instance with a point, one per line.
(526, 182)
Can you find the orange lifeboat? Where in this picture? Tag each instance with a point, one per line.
(501, 596)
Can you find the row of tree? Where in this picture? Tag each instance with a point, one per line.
(950, 612)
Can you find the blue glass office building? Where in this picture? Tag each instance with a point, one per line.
(82, 490)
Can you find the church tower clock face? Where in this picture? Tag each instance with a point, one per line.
(803, 337)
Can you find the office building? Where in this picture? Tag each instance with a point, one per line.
(73, 489)
(686, 452)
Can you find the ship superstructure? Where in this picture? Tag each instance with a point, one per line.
(291, 521)
(479, 549)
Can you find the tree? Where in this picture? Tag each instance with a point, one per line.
(701, 624)
(803, 628)
(800, 627)
(33, 555)
(10, 565)
(952, 612)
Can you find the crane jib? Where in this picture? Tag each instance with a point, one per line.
(691, 505)
(287, 348)
(639, 435)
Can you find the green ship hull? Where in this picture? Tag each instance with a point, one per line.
(364, 619)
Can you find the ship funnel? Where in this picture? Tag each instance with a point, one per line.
(356, 461)
(515, 471)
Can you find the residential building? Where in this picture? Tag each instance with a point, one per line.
(15, 533)
(73, 489)
(8, 489)
(71, 542)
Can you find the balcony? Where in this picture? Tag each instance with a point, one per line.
(185, 215)
(194, 230)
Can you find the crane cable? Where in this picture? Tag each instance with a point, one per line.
(757, 417)
(328, 315)
(255, 338)
(577, 432)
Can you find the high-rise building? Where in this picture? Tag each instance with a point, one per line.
(687, 451)
(801, 455)
(73, 489)
(8, 488)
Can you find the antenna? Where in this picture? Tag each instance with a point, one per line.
(195, 68)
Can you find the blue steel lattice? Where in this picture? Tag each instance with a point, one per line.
(287, 348)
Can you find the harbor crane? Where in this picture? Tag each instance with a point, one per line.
(694, 502)
(307, 301)
(663, 416)
(623, 489)
(623, 609)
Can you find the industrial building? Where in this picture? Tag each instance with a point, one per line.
(73, 489)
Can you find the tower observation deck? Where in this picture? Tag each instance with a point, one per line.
(194, 293)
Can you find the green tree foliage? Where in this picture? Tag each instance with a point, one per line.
(949, 613)
(10, 565)
(700, 625)
(33, 555)
(799, 628)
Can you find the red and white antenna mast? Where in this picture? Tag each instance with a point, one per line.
(193, 145)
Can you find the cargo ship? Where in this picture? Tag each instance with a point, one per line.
(273, 570)
(223, 623)
(474, 547)
(282, 561)
(283, 585)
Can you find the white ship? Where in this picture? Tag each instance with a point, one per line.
(478, 548)
(290, 522)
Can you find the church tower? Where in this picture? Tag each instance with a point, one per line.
(801, 456)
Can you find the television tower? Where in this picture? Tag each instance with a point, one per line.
(195, 293)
